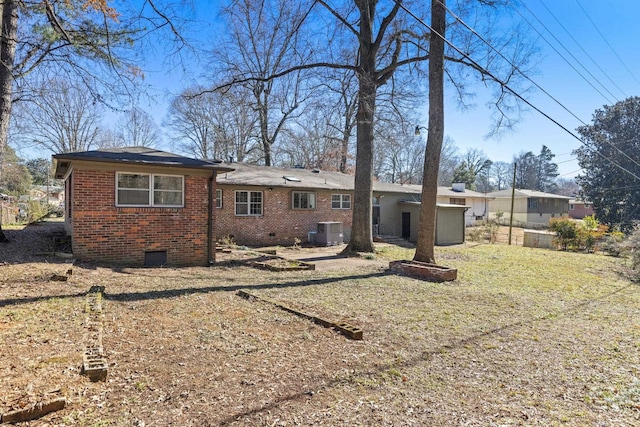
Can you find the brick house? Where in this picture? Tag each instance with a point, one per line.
(259, 205)
(262, 206)
(139, 206)
(578, 208)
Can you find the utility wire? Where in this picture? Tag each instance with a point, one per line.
(583, 50)
(507, 87)
(531, 80)
(607, 42)
(562, 56)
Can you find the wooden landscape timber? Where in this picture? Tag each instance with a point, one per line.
(344, 328)
(33, 411)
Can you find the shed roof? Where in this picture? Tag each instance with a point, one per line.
(134, 155)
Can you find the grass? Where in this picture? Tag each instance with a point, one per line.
(523, 337)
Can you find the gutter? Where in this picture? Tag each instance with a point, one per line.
(210, 252)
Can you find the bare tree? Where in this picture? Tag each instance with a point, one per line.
(137, 128)
(60, 118)
(497, 67)
(387, 41)
(313, 141)
(449, 160)
(427, 228)
(342, 118)
(568, 187)
(399, 156)
(502, 175)
(78, 40)
(214, 125)
(264, 39)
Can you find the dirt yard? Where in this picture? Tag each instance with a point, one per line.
(183, 349)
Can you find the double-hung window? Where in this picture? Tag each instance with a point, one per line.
(139, 189)
(341, 201)
(303, 200)
(248, 203)
(219, 198)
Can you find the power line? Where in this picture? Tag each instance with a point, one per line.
(508, 88)
(607, 42)
(583, 49)
(562, 56)
(534, 83)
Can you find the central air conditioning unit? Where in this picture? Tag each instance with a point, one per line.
(329, 233)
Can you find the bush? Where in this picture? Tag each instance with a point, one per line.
(578, 235)
(566, 231)
(487, 230)
(631, 247)
(612, 243)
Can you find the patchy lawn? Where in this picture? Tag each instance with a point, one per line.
(523, 337)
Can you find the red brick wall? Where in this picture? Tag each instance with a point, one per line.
(580, 210)
(106, 233)
(279, 224)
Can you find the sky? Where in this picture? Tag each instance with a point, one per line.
(609, 34)
(598, 40)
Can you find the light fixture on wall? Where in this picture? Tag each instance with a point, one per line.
(418, 128)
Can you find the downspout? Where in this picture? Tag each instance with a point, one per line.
(464, 224)
(210, 252)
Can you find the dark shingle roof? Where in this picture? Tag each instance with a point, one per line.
(255, 175)
(134, 155)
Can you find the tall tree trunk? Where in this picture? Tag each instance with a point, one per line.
(361, 234)
(427, 228)
(8, 34)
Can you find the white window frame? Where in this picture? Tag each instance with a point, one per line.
(248, 203)
(308, 193)
(218, 198)
(344, 199)
(151, 190)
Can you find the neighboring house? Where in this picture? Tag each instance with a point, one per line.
(457, 194)
(139, 206)
(529, 206)
(56, 194)
(578, 209)
(259, 205)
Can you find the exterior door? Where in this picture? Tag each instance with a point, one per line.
(406, 225)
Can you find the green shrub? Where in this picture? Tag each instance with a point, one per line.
(584, 235)
(566, 231)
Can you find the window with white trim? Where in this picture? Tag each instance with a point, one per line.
(139, 189)
(248, 203)
(457, 201)
(219, 198)
(341, 201)
(303, 200)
